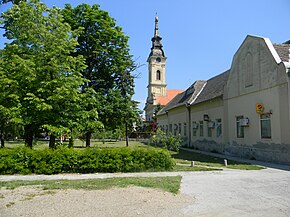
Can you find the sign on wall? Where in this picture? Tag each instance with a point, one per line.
(259, 108)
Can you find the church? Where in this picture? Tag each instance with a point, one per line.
(158, 94)
(244, 111)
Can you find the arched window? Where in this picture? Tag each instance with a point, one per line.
(249, 72)
(158, 75)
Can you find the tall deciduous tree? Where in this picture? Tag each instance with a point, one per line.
(109, 64)
(9, 100)
(48, 78)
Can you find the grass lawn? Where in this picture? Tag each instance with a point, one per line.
(38, 144)
(185, 157)
(169, 184)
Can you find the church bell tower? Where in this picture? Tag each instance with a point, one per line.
(156, 68)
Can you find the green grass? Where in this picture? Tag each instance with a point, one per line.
(169, 184)
(40, 144)
(188, 168)
(185, 157)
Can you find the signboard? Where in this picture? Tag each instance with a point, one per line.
(259, 108)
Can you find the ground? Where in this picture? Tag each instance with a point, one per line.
(221, 193)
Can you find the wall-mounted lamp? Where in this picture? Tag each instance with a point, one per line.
(205, 117)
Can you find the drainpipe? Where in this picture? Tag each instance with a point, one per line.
(287, 66)
(189, 124)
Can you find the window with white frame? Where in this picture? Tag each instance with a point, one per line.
(218, 127)
(265, 120)
(209, 131)
(175, 129)
(194, 128)
(239, 128)
(201, 128)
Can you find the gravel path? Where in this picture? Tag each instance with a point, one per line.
(220, 193)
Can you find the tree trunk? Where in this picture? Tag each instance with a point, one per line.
(28, 135)
(88, 139)
(127, 139)
(2, 139)
(71, 141)
(52, 141)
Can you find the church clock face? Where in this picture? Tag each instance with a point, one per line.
(158, 59)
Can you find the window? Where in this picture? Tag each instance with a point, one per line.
(185, 129)
(158, 75)
(265, 120)
(170, 128)
(201, 128)
(249, 70)
(175, 129)
(179, 128)
(166, 129)
(218, 127)
(209, 131)
(240, 129)
(194, 128)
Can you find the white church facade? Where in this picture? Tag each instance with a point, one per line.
(243, 112)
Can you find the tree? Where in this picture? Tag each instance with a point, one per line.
(109, 63)
(9, 101)
(2, 2)
(48, 78)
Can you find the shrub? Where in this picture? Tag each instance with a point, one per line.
(89, 160)
(169, 142)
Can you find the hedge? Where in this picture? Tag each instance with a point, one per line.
(89, 160)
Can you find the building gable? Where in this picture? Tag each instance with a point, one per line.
(255, 66)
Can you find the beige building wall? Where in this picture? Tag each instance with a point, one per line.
(213, 129)
(245, 106)
(175, 121)
(258, 76)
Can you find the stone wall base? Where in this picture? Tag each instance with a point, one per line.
(276, 153)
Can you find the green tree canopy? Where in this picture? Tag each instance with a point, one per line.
(109, 64)
(39, 61)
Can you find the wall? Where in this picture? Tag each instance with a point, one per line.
(177, 118)
(257, 77)
(215, 110)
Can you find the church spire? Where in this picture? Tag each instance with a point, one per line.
(156, 27)
(156, 49)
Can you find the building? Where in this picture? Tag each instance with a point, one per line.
(244, 111)
(158, 94)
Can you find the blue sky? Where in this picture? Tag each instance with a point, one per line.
(200, 37)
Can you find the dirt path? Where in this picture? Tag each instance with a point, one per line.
(131, 201)
(204, 194)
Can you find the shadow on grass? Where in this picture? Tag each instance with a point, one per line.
(185, 157)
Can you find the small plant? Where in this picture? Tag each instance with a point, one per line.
(169, 141)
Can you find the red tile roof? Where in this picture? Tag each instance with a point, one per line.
(170, 94)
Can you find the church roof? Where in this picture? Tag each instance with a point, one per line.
(170, 94)
(283, 51)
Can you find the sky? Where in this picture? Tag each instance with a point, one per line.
(200, 37)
